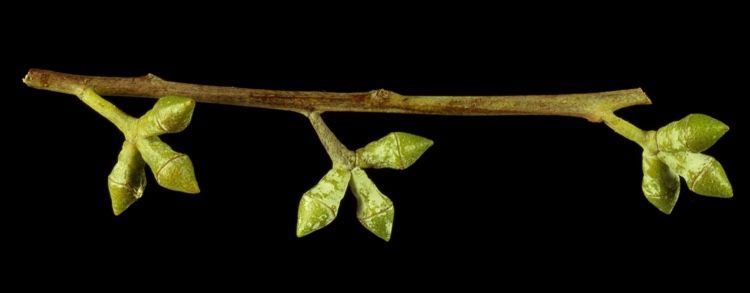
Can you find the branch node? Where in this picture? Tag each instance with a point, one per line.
(153, 77)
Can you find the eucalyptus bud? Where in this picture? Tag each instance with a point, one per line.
(660, 185)
(172, 170)
(397, 150)
(320, 204)
(170, 114)
(374, 210)
(703, 174)
(695, 133)
(127, 180)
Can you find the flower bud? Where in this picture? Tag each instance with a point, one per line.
(320, 204)
(172, 170)
(703, 174)
(127, 180)
(695, 133)
(374, 210)
(397, 150)
(660, 185)
(170, 114)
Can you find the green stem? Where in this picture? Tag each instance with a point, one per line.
(121, 120)
(627, 130)
(339, 154)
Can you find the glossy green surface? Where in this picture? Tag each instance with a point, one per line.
(374, 209)
(397, 150)
(703, 174)
(128, 178)
(660, 185)
(172, 170)
(142, 147)
(169, 115)
(673, 151)
(320, 205)
(695, 133)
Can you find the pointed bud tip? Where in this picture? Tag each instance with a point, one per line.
(664, 205)
(127, 181)
(397, 150)
(713, 182)
(118, 209)
(660, 185)
(667, 210)
(411, 147)
(695, 133)
(374, 209)
(178, 174)
(303, 228)
(175, 105)
(194, 189)
(699, 119)
(122, 196)
(186, 105)
(312, 216)
(380, 224)
(319, 205)
(705, 131)
(414, 139)
(302, 232)
(173, 113)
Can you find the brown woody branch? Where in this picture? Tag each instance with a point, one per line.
(591, 106)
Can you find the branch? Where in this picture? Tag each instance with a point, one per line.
(670, 152)
(591, 106)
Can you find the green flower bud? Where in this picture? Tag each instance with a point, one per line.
(172, 170)
(127, 180)
(169, 115)
(397, 150)
(660, 185)
(374, 210)
(320, 204)
(695, 133)
(703, 174)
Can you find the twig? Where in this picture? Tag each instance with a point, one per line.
(670, 152)
(591, 106)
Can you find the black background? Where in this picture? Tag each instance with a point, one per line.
(525, 195)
